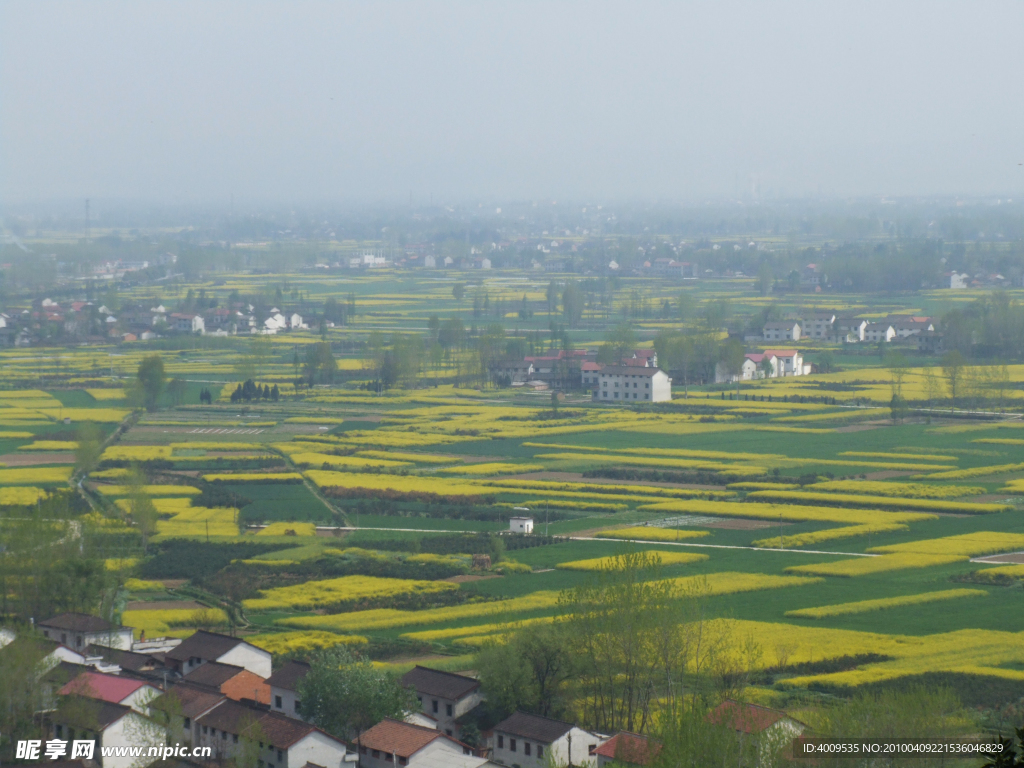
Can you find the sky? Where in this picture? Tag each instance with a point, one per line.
(305, 102)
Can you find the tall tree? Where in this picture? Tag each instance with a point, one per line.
(953, 364)
(151, 379)
(345, 694)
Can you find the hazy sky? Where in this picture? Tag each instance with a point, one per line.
(296, 101)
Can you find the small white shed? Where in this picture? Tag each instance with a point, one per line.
(520, 524)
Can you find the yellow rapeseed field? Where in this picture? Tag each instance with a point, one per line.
(136, 452)
(606, 563)
(49, 445)
(283, 529)
(320, 594)
(879, 502)
(34, 475)
(963, 545)
(864, 566)
(650, 533)
(863, 606)
(21, 496)
(279, 643)
(902, 490)
(163, 622)
(829, 534)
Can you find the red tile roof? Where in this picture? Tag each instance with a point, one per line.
(403, 739)
(748, 718)
(96, 685)
(630, 748)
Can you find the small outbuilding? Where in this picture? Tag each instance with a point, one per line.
(520, 524)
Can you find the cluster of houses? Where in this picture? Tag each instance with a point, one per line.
(770, 364)
(221, 693)
(86, 319)
(831, 327)
(636, 378)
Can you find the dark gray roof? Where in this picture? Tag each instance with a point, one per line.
(534, 727)
(288, 676)
(213, 674)
(125, 659)
(189, 700)
(203, 645)
(82, 712)
(434, 682)
(78, 622)
(630, 370)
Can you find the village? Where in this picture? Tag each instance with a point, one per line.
(221, 696)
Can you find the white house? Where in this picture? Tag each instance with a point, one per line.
(283, 742)
(754, 367)
(532, 741)
(958, 280)
(772, 729)
(112, 688)
(205, 646)
(636, 384)
(907, 328)
(393, 742)
(107, 725)
(295, 321)
(849, 329)
(429, 262)
(187, 322)
(876, 332)
(789, 362)
(783, 331)
(818, 325)
(520, 524)
(283, 687)
(625, 748)
(79, 630)
(182, 706)
(445, 696)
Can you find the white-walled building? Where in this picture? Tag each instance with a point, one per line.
(520, 524)
(446, 696)
(876, 332)
(635, 384)
(788, 330)
(393, 742)
(106, 724)
(818, 325)
(205, 646)
(284, 685)
(80, 630)
(532, 741)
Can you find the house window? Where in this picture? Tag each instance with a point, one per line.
(298, 706)
(280, 756)
(448, 731)
(188, 723)
(375, 753)
(64, 638)
(526, 748)
(402, 761)
(448, 709)
(234, 738)
(205, 732)
(60, 731)
(511, 745)
(223, 735)
(434, 703)
(501, 741)
(540, 751)
(277, 702)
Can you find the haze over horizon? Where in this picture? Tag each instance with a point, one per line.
(308, 101)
